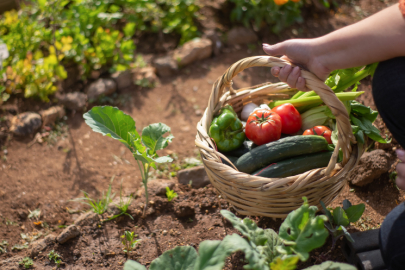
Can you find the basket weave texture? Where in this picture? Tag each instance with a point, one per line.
(274, 197)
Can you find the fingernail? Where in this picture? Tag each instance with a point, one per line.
(400, 154)
(266, 46)
(300, 79)
(296, 70)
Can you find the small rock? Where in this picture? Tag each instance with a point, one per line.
(165, 66)
(197, 175)
(164, 232)
(41, 245)
(87, 219)
(11, 263)
(22, 214)
(192, 51)
(25, 123)
(73, 101)
(241, 35)
(184, 209)
(123, 79)
(148, 74)
(157, 187)
(52, 114)
(198, 112)
(101, 87)
(70, 232)
(76, 252)
(216, 41)
(371, 166)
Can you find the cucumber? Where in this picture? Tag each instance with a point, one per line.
(246, 147)
(296, 165)
(231, 158)
(292, 146)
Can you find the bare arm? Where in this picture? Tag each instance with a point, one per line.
(376, 38)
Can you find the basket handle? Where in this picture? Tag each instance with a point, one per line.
(345, 134)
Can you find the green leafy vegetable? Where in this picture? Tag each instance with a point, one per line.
(113, 123)
(328, 265)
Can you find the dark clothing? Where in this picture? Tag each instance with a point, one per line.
(392, 239)
(389, 97)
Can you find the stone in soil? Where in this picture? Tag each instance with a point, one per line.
(165, 66)
(11, 263)
(40, 245)
(22, 214)
(68, 233)
(123, 79)
(371, 166)
(146, 74)
(192, 51)
(73, 101)
(101, 87)
(157, 187)
(25, 123)
(87, 219)
(196, 175)
(216, 41)
(241, 35)
(184, 209)
(52, 114)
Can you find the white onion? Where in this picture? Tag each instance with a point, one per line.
(247, 110)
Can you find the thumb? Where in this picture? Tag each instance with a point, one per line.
(274, 50)
(401, 155)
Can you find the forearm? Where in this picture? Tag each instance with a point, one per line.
(374, 39)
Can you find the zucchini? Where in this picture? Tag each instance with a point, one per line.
(292, 146)
(246, 147)
(231, 158)
(296, 165)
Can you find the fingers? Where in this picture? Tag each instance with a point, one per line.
(400, 181)
(291, 76)
(273, 50)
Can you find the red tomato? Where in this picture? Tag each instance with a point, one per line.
(263, 126)
(290, 118)
(321, 131)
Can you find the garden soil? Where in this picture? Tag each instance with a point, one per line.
(48, 176)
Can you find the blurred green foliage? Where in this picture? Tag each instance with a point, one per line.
(278, 14)
(46, 35)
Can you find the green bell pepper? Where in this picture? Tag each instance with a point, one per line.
(227, 130)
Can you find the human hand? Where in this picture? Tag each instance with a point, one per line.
(301, 52)
(400, 181)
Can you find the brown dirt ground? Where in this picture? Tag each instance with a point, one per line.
(47, 176)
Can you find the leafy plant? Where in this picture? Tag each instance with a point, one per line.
(170, 194)
(55, 257)
(19, 246)
(112, 122)
(260, 12)
(3, 246)
(98, 206)
(340, 217)
(34, 214)
(27, 262)
(129, 241)
(264, 249)
(123, 205)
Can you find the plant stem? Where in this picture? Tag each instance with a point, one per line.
(145, 184)
(315, 99)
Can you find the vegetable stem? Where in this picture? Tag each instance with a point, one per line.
(315, 99)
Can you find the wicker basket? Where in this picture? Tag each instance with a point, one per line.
(274, 197)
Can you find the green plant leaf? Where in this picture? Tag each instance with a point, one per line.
(346, 204)
(340, 217)
(302, 231)
(327, 212)
(112, 122)
(328, 265)
(288, 263)
(152, 137)
(179, 258)
(354, 212)
(133, 265)
(344, 232)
